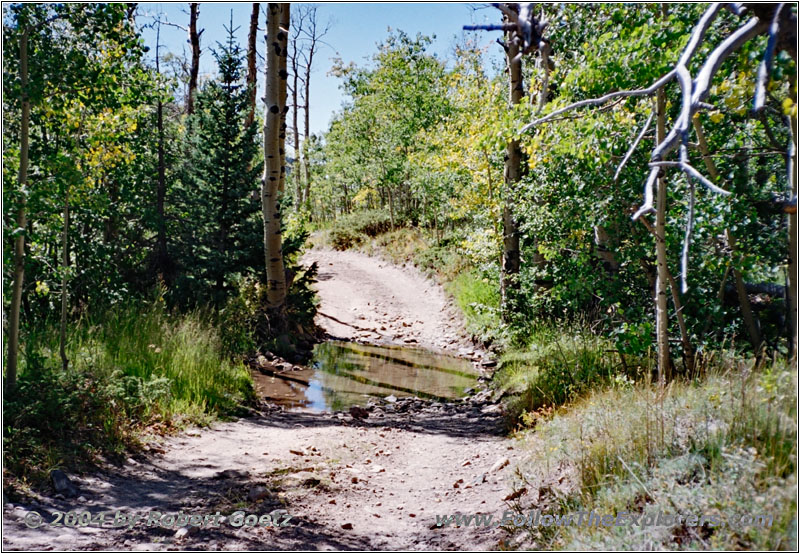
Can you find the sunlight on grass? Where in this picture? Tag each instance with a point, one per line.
(725, 445)
(132, 368)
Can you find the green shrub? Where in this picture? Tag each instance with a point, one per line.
(131, 367)
(352, 229)
(559, 366)
(342, 238)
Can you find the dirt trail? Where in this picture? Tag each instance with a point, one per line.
(369, 300)
(377, 483)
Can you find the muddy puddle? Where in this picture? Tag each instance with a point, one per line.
(343, 374)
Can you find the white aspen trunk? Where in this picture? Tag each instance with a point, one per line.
(662, 319)
(512, 175)
(270, 185)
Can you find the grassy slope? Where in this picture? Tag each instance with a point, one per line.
(597, 436)
(133, 370)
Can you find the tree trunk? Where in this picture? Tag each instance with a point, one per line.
(251, 64)
(306, 130)
(296, 166)
(512, 174)
(688, 348)
(283, 75)
(606, 256)
(162, 257)
(194, 40)
(662, 321)
(22, 218)
(64, 282)
(270, 184)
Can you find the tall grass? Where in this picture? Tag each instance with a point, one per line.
(132, 368)
(479, 301)
(725, 445)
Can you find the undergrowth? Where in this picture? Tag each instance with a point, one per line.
(132, 369)
(724, 445)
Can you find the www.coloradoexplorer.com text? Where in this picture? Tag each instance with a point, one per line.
(582, 518)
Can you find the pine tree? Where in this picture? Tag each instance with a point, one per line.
(221, 237)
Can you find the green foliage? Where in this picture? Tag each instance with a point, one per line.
(219, 228)
(557, 367)
(478, 297)
(350, 230)
(132, 368)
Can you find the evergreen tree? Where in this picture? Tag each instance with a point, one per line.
(219, 225)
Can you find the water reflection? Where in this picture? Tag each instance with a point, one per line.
(343, 374)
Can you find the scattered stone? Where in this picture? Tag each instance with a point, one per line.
(492, 409)
(347, 526)
(479, 480)
(391, 399)
(230, 474)
(186, 531)
(297, 452)
(357, 412)
(499, 464)
(62, 484)
(257, 493)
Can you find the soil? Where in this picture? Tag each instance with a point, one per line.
(347, 481)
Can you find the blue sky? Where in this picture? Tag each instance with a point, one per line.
(356, 29)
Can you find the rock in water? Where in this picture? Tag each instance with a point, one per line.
(62, 483)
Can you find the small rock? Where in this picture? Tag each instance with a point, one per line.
(479, 480)
(347, 526)
(391, 399)
(357, 412)
(499, 464)
(186, 531)
(257, 493)
(62, 484)
(230, 474)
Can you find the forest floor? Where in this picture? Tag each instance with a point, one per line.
(376, 483)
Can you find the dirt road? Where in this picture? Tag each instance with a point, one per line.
(376, 483)
(370, 300)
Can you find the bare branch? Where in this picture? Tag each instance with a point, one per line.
(765, 67)
(702, 83)
(602, 100)
(687, 240)
(491, 27)
(647, 207)
(634, 145)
